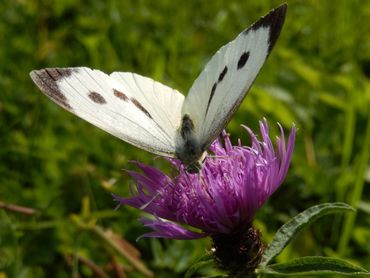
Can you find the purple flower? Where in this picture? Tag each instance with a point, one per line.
(223, 198)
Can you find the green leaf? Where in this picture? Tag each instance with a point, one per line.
(205, 260)
(314, 265)
(286, 233)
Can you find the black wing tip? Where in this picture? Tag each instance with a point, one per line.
(55, 73)
(36, 76)
(275, 20)
(46, 79)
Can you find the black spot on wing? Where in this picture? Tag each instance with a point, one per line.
(46, 80)
(138, 105)
(120, 95)
(214, 87)
(222, 74)
(97, 98)
(243, 60)
(274, 20)
(213, 90)
(123, 97)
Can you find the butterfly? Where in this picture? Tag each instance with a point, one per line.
(157, 118)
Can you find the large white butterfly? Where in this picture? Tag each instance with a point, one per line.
(157, 118)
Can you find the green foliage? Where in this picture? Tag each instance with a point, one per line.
(66, 170)
(287, 232)
(315, 266)
(198, 265)
(311, 264)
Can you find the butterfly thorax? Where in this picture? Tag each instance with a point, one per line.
(188, 147)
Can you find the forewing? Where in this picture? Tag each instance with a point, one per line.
(126, 105)
(163, 102)
(220, 88)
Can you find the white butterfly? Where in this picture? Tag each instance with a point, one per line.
(157, 118)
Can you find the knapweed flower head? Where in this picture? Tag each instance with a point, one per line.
(223, 197)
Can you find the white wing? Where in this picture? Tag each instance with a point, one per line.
(220, 88)
(134, 108)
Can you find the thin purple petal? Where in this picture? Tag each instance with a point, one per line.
(165, 229)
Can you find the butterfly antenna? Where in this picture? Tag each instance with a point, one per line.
(218, 156)
(143, 207)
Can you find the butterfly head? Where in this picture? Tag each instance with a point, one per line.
(190, 153)
(194, 168)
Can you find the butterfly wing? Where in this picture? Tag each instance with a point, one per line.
(220, 88)
(129, 106)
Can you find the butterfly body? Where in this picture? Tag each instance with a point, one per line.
(157, 118)
(188, 148)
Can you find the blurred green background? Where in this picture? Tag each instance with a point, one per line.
(64, 170)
